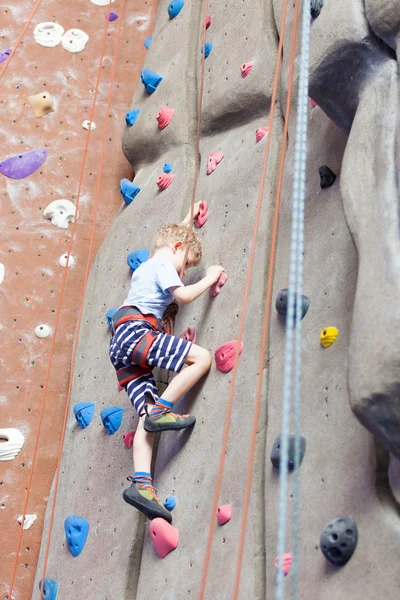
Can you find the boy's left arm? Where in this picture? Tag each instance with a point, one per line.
(196, 209)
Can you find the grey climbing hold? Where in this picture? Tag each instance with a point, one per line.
(316, 7)
(339, 540)
(276, 451)
(327, 177)
(281, 303)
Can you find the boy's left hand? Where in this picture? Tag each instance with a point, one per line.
(196, 210)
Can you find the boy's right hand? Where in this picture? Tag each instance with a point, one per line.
(214, 273)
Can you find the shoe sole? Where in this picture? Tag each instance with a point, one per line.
(151, 427)
(146, 510)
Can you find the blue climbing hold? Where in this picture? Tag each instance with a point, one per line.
(136, 258)
(83, 412)
(50, 588)
(109, 315)
(112, 418)
(170, 503)
(174, 8)
(150, 80)
(76, 532)
(128, 190)
(147, 41)
(131, 116)
(167, 168)
(208, 49)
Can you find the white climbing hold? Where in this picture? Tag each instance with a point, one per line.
(101, 2)
(61, 212)
(86, 124)
(42, 331)
(14, 440)
(48, 34)
(74, 40)
(63, 260)
(28, 522)
(2, 270)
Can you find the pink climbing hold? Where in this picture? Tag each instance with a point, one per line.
(164, 116)
(224, 514)
(164, 180)
(165, 537)
(287, 562)
(189, 335)
(202, 216)
(225, 356)
(209, 20)
(216, 288)
(260, 133)
(214, 158)
(313, 103)
(246, 68)
(128, 439)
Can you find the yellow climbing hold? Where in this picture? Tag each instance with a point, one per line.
(328, 336)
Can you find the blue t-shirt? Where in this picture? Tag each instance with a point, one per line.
(150, 286)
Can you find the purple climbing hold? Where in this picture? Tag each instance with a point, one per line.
(112, 16)
(4, 55)
(23, 165)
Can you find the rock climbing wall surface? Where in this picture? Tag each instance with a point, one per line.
(63, 84)
(343, 472)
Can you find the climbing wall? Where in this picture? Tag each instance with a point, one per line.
(343, 472)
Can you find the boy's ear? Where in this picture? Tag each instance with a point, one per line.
(178, 245)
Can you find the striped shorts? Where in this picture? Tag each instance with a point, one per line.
(166, 352)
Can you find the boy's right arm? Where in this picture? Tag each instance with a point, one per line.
(188, 293)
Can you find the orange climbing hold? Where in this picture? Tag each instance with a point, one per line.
(225, 355)
(214, 158)
(202, 216)
(209, 20)
(224, 514)
(165, 537)
(164, 116)
(246, 68)
(128, 439)
(260, 133)
(164, 180)
(216, 288)
(287, 563)
(189, 335)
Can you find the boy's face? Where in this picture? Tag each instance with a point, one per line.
(179, 258)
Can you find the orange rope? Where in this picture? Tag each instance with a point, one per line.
(271, 271)
(57, 318)
(243, 311)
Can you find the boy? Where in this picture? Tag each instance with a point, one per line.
(139, 344)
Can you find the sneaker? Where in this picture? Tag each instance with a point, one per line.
(145, 499)
(168, 421)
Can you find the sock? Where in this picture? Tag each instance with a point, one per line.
(160, 407)
(142, 478)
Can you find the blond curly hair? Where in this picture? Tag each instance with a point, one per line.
(169, 234)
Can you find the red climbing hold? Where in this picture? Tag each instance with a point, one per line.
(246, 68)
(203, 215)
(164, 180)
(165, 537)
(189, 335)
(164, 116)
(128, 439)
(209, 20)
(216, 288)
(224, 514)
(313, 103)
(225, 356)
(287, 562)
(260, 133)
(214, 158)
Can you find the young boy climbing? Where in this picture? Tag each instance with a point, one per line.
(139, 344)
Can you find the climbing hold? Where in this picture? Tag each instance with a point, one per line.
(313, 103)
(147, 41)
(83, 412)
(64, 259)
(150, 80)
(170, 503)
(189, 335)
(167, 168)
(50, 588)
(174, 8)
(225, 355)
(216, 288)
(287, 562)
(2, 271)
(164, 116)
(28, 521)
(76, 532)
(89, 125)
(260, 133)
(328, 336)
(339, 540)
(281, 303)
(41, 104)
(61, 212)
(74, 40)
(164, 180)
(128, 190)
(165, 537)
(109, 315)
(48, 34)
(326, 176)
(23, 165)
(112, 418)
(214, 158)
(224, 514)
(208, 47)
(135, 259)
(5, 54)
(128, 439)
(42, 331)
(11, 447)
(209, 20)
(131, 116)
(203, 215)
(277, 447)
(246, 68)
(316, 7)
(112, 16)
